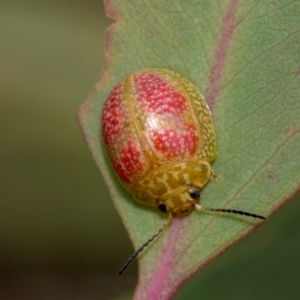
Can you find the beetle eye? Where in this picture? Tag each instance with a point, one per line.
(195, 194)
(162, 207)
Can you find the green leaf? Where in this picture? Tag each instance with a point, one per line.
(244, 57)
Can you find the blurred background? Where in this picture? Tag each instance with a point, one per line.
(60, 237)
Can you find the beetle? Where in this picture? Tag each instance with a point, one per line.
(159, 135)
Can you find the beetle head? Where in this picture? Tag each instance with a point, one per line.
(182, 203)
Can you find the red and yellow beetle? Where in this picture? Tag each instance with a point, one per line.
(160, 138)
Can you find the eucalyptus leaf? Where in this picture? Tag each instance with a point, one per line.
(244, 57)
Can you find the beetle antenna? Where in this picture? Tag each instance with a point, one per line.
(232, 211)
(140, 249)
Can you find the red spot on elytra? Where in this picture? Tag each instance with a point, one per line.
(130, 162)
(112, 116)
(157, 95)
(175, 142)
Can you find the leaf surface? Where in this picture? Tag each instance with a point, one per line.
(244, 57)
